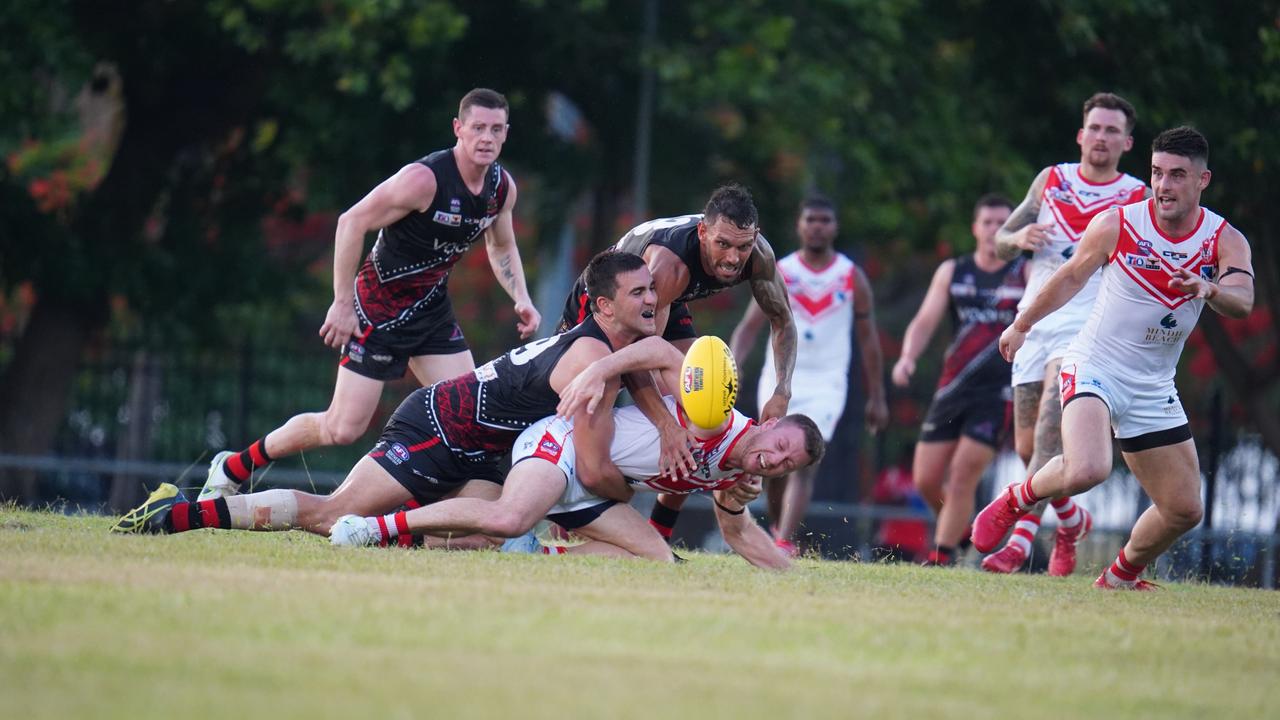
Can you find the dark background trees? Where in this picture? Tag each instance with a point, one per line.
(172, 169)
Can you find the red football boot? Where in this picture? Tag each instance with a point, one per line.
(993, 523)
(1008, 559)
(1062, 562)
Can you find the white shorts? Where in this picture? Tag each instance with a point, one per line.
(821, 397)
(551, 439)
(1045, 342)
(1137, 408)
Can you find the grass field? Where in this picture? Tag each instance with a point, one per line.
(209, 623)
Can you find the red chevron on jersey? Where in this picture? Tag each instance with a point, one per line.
(817, 301)
(1152, 264)
(1075, 202)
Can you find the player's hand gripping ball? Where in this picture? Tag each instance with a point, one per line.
(708, 382)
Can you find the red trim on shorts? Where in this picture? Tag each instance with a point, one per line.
(430, 442)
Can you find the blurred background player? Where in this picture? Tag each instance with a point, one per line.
(1048, 225)
(830, 298)
(1162, 257)
(969, 417)
(395, 312)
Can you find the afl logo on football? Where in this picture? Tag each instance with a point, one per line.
(692, 379)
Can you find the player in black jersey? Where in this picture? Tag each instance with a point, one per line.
(969, 417)
(396, 312)
(445, 440)
(693, 257)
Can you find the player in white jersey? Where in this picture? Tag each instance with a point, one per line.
(830, 299)
(1048, 225)
(546, 480)
(725, 456)
(1162, 258)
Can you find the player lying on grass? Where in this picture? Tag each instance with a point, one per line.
(446, 440)
(547, 479)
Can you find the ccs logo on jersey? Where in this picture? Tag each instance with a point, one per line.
(450, 219)
(397, 453)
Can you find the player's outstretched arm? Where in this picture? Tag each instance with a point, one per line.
(504, 257)
(1233, 294)
(770, 293)
(585, 390)
(864, 324)
(744, 535)
(1094, 250)
(593, 434)
(921, 328)
(409, 190)
(1021, 232)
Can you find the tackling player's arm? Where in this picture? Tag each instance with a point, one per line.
(1094, 250)
(412, 189)
(504, 258)
(921, 328)
(592, 432)
(770, 293)
(1021, 232)
(670, 279)
(744, 535)
(586, 388)
(1232, 294)
(744, 335)
(864, 324)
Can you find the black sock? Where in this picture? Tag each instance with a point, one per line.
(663, 519)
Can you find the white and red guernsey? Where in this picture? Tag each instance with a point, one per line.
(1069, 202)
(635, 451)
(1139, 324)
(822, 308)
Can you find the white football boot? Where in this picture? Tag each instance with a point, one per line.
(217, 483)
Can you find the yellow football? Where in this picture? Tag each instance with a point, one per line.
(708, 382)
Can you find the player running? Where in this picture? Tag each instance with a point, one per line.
(446, 440)
(395, 311)
(1162, 257)
(830, 299)
(969, 417)
(1049, 224)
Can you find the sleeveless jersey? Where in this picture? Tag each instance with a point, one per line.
(485, 410)
(982, 305)
(1069, 202)
(410, 263)
(1139, 325)
(680, 236)
(822, 309)
(635, 452)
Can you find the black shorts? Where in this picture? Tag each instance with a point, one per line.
(983, 415)
(384, 354)
(420, 461)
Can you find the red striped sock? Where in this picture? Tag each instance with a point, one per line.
(553, 550)
(1024, 495)
(1024, 532)
(240, 466)
(392, 526)
(663, 519)
(1069, 514)
(1123, 572)
(186, 516)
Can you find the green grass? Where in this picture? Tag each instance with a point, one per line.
(282, 625)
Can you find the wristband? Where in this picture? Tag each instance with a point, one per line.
(739, 511)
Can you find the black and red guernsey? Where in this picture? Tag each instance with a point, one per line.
(680, 236)
(482, 412)
(410, 263)
(982, 304)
